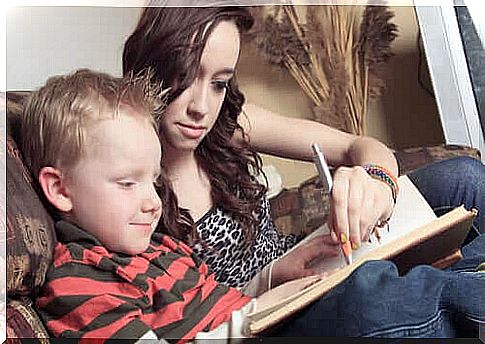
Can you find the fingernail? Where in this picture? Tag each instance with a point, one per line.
(343, 238)
(346, 248)
(355, 246)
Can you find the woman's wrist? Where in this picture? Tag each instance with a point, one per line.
(270, 275)
(385, 176)
(386, 199)
(387, 182)
(275, 275)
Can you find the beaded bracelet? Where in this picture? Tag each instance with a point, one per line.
(382, 174)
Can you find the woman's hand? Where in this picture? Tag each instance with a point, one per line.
(296, 264)
(358, 202)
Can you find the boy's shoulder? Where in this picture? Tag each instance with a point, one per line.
(69, 255)
(75, 245)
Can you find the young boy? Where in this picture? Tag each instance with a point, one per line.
(92, 142)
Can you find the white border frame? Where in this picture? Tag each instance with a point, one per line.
(449, 75)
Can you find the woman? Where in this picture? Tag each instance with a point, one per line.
(210, 154)
(211, 139)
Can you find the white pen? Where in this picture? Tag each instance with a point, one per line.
(322, 167)
(326, 179)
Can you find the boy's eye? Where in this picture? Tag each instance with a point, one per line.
(220, 85)
(126, 184)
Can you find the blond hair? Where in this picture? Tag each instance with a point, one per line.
(56, 116)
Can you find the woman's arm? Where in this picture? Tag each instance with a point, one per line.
(292, 138)
(358, 201)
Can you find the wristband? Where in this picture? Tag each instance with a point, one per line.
(270, 274)
(382, 174)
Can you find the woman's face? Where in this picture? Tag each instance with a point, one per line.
(190, 117)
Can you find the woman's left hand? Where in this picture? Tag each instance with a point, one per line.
(358, 202)
(297, 263)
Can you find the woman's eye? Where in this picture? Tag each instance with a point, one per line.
(157, 183)
(220, 85)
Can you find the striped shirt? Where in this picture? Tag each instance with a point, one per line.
(93, 293)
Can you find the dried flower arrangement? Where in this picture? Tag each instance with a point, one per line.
(336, 56)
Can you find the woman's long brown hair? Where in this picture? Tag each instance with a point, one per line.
(170, 40)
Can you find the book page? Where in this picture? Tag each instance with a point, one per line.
(411, 212)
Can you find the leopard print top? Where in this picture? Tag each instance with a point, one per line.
(234, 260)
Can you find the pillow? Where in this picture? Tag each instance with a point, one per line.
(302, 209)
(14, 103)
(23, 322)
(412, 158)
(30, 230)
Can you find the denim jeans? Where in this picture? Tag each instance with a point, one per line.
(453, 182)
(374, 301)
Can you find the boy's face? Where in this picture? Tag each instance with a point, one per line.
(112, 186)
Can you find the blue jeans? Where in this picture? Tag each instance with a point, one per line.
(374, 301)
(453, 182)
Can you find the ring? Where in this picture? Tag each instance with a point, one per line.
(370, 231)
(383, 224)
(373, 230)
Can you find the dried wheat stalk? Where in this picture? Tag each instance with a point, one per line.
(336, 56)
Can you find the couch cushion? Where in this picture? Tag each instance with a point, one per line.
(15, 102)
(30, 231)
(300, 210)
(412, 158)
(23, 321)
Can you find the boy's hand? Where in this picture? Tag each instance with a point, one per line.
(296, 263)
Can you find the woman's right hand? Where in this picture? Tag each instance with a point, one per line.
(296, 263)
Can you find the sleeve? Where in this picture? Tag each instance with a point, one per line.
(81, 301)
(231, 332)
(150, 337)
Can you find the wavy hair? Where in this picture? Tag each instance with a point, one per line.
(170, 41)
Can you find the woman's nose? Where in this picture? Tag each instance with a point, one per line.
(199, 104)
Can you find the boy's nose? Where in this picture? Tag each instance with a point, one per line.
(151, 203)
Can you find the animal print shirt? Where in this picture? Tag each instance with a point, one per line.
(234, 260)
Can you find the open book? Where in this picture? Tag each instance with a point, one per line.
(415, 236)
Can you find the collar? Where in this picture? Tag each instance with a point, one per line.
(68, 232)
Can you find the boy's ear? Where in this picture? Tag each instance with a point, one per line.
(52, 183)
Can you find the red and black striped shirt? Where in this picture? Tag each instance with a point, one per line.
(93, 293)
